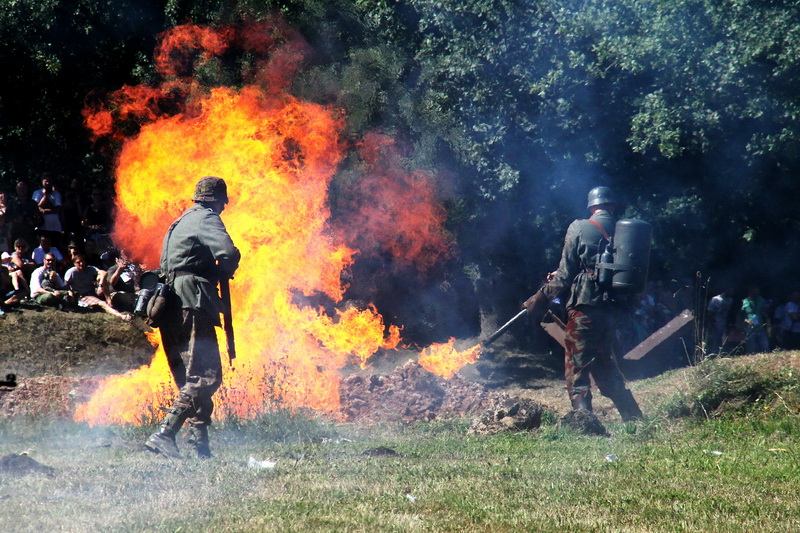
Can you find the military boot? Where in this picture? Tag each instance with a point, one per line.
(627, 406)
(198, 439)
(582, 403)
(163, 440)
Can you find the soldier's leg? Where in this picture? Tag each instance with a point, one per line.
(203, 378)
(163, 440)
(607, 374)
(577, 359)
(175, 335)
(198, 427)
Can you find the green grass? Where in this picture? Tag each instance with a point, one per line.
(665, 479)
(719, 453)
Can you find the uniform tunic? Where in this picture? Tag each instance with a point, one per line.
(197, 253)
(591, 324)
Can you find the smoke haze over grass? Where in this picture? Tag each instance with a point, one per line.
(734, 473)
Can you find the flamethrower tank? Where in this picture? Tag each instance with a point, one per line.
(631, 256)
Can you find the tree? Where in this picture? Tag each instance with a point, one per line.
(55, 53)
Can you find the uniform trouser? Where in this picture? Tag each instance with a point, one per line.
(190, 342)
(589, 339)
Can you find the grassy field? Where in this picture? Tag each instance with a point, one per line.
(719, 453)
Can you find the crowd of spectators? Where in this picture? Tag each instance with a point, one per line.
(734, 321)
(737, 320)
(748, 322)
(57, 251)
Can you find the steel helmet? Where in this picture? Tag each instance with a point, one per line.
(601, 195)
(211, 189)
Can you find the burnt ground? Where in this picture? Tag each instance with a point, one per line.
(58, 358)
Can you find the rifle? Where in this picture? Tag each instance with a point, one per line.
(227, 318)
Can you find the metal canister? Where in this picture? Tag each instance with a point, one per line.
(632, 239)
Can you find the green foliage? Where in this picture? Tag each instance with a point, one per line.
(521, 107)
(55, 53)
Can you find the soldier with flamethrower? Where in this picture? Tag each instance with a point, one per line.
(197, 254)
(585, 273)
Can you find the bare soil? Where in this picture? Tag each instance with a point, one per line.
(59, 357)
(40, 341)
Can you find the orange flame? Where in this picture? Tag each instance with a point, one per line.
(394, 212)
(444, 360)
(278, 156)
(174, 54)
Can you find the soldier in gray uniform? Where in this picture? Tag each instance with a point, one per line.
(196, 254)
(592, 311)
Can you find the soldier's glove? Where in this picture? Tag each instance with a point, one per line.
(536, 306)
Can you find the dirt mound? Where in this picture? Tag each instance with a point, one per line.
(41, 341)
(509, 414)
(584, 422)
(411, 393)
(406, 394)
(21, 464)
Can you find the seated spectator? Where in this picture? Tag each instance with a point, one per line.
(121, 283)
(22, 259)
(48, 287)
(6, 289)
(24, 214)
(17, 280)
(45, 247)
(86, 283)
(73, 249)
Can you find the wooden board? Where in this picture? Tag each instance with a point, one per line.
(555, 328)
(671, 330)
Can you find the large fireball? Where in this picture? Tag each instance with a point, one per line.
(278, 155)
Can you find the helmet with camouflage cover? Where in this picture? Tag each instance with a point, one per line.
(601, 195)
(211, 189)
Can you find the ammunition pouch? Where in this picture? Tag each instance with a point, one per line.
(158, 304)
(153, 298)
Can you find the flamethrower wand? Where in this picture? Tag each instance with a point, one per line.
(497, 334)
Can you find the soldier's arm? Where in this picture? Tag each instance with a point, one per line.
(567, 268)
(214, 235)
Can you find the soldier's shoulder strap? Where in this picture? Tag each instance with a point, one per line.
(167, 237)
(601, 228)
